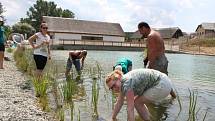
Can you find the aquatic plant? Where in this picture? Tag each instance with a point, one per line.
(79, 115)
(192, 110)
(95, 97)
(9, 50)
(60, 113)
(40, 85)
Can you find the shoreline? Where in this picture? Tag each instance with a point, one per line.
(17, 101)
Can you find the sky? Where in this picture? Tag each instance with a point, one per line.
(185, 14)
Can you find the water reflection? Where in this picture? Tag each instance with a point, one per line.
(186, 71)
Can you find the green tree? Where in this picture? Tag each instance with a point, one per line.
(8, 31)
(1, 9)
(23, 28)
(44, 8)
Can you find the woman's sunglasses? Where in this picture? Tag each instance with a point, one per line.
(44, 27)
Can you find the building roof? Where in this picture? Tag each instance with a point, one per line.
(70, 25)
(207, 26)
(165, 33)
(168, 33)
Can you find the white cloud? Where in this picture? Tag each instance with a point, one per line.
(186, 14)
(15, 9)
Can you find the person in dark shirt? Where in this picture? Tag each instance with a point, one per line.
(76, 58)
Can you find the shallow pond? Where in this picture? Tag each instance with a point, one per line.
(194, 72)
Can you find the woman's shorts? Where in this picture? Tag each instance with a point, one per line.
(2, 47)
(40, 61)
(160, 91)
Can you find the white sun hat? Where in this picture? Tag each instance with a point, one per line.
(118, 67)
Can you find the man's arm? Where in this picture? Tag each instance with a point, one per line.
(82, 61)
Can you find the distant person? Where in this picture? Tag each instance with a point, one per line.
(155, 48)
(76, 58)
(2, 42)
(124, 65)
(139, 86)
(41, 48)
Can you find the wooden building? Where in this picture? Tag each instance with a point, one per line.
(205, 30)
(72, 29)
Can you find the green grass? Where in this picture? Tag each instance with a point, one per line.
(192, 109)
(95, 97)
(9, 50)
(203, 42)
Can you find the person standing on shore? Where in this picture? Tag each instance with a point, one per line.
(41, 48)
(155, 48)
(2, 43)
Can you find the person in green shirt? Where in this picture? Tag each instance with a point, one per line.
(124, 65)
(2, 43)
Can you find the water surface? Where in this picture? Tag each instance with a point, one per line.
(194, 72)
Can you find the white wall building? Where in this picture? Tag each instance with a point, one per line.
(72, 29)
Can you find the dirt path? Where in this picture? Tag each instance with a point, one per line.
(16, 103)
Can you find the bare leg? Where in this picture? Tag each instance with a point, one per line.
(1, 59)
(39, 74)
(142, 108)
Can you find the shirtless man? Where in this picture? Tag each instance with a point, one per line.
(155, 48)
(76, 58)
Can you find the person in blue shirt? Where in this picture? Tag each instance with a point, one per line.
(124, 65)
(2, 43)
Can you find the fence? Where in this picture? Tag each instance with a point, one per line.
(101, 43)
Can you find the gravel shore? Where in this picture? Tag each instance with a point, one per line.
(17, 103)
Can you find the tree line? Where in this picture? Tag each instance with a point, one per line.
(31, 23)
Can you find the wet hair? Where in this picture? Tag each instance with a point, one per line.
(143, 24)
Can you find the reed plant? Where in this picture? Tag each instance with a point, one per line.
(192, 110)
(69, 89)
(79, 115)
(95, 97)
(60, 113)
(40, 85)
(192, 106)
(9, 50)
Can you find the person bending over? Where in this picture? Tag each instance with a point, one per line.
(139, 86)
(75, 58)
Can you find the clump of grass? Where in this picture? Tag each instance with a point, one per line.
(44, 103)
(79, 115)
(192, 106)
(207, 42)
(95, 97)
(23, 58)
(60, 114)
(69, 89)
(9, 50)
(192, 111)
(40, 85)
